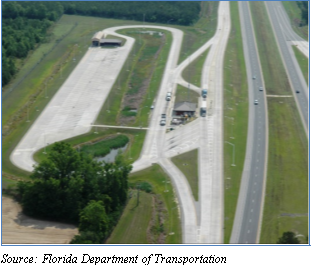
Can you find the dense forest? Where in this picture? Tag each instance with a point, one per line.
(25, 24)
(70, 186)
(182, 13)
(304, 7)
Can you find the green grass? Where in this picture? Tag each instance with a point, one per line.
(188, 165)
(185, 94)
(276, 81)
(157, 177)
(133, 224)
(236, 113)
(303, 63)
(102, 148)
(294, 14)
(287, 175)
(287, 179)
(193, 72)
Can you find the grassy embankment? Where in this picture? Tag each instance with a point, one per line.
(162, 219)
(286, 199)
(303, 63)
(294, 14)
(235, 119)
(188, 165)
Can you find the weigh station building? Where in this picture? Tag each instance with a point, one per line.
(99, 40)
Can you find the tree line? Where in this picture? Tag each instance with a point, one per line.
(181, 13)
(304, 7)
(69, 186)
(25, 23)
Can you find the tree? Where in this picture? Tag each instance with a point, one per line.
(67, 181)
(288, 238)
(93, 218)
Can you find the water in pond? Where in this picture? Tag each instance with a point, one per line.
(111, 156)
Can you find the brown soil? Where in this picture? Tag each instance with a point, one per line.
(154, 234)
(18, 228)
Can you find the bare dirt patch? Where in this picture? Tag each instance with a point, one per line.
(18, 228)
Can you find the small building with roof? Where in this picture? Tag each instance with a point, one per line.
(96, 38)
(110, 42)
(184, 108)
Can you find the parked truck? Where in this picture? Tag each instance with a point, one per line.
(203, 108)
(204, 93)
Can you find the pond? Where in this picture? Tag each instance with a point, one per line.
(110, 158)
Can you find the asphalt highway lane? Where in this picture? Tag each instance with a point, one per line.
(246, 229)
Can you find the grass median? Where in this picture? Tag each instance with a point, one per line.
(286, 200)
(235, 119)
(188, 165)
(287, 174)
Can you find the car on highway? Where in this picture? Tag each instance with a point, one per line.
(260, 88)
(254, 77)
(162, 122)
(297, 91)
(256, 102)
(168, 96)
(152, 107)
(163, 116)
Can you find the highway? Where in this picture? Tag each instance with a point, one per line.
(247, 222)
(285, 36)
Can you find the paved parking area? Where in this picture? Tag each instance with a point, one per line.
(76, 105)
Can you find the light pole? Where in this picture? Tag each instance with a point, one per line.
(165, 181)
(233, 151)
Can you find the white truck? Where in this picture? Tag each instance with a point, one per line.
(203, 108)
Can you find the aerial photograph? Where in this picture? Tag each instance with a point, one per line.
(155, 122)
